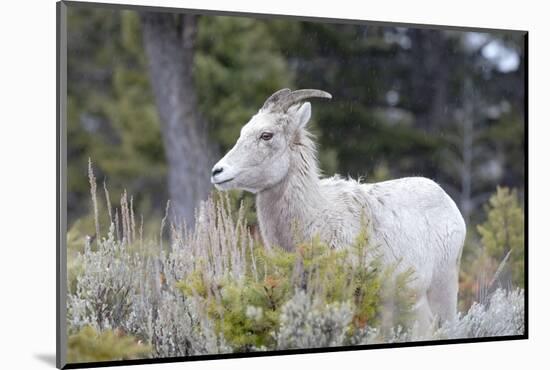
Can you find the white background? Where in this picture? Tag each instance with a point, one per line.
(27, 196)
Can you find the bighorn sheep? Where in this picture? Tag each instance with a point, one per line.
(412, 219)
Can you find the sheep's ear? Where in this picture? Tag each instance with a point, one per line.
(303, 114)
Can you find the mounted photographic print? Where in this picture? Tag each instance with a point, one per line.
(235, 185)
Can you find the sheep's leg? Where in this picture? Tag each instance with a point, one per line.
(442, 295)
(423, 317)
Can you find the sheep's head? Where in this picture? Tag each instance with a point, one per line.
(261, 156)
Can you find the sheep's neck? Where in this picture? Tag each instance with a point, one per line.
(287, 209)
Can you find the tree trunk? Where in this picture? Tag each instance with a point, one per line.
(169, 45)
(430, 78)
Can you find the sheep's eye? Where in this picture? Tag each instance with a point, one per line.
(266, 136)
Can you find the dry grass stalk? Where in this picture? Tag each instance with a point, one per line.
(108, 200)
(117, 225)
(93, 193)
(499, 270)
(163, 223)
(132, 219)
(141, 232)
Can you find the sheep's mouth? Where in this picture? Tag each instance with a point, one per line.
(224, 181)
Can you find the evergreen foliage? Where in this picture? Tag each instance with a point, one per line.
(504, 231)
(248, 311)
(238, 64)
(498, 258)
(88, 345)
(112, 115)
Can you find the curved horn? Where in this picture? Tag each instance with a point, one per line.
(299, 95)
(275, 99)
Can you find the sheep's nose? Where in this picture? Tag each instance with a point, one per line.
(216, 170)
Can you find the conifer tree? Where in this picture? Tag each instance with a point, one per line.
(504, 232)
